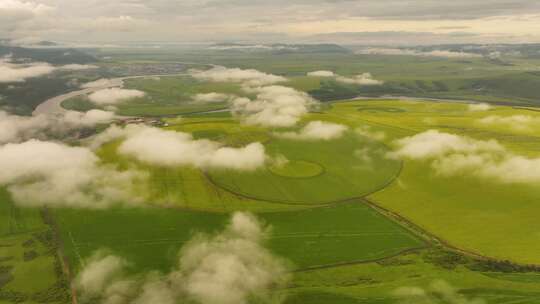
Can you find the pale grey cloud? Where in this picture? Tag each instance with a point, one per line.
(41, 173)
(113, 96)
(316, 130)
(217, 20)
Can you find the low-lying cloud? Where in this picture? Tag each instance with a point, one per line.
(212, 97)
(451, 155)
(479, 107)
(316, 130)
(439, 292)
(41, 173)
(113, 96)
(232, 267)
(411, 52)
(169, 148)
(20, 72)
(321, 73)
(100, 83)
(368, 132)
(519, 123)
(365, 79)
(273, 106)
(14, 128)
(249, 77)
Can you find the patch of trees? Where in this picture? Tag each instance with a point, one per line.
(450, 260)
(30, 255)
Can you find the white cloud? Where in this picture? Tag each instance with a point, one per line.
(38, 173)
(248, 77)
(99, 84)
(452, 155)
(411, 52)
(367, 131)
(212, 97)
(14, 128)
(479, 107)
(89, 118)
(13, 72)
(316, 130)
(229, 268)
(432, 144)
(520, 123)
(170, 148)
(361, 79)
(78, 67)
(99, 272)
(321, 74)
(365, 79)
(10, 72)
(274, 106)
(113, 96)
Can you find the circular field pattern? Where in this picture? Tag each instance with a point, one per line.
(319, 172)
(297, 169)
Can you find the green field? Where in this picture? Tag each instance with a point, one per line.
(343, 175)
(151, 238)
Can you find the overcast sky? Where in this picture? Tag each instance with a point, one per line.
(344, 21)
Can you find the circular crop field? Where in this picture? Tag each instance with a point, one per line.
(318, 172)
(297, 169)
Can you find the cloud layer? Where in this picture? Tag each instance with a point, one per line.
(14, 128)
(364, 79)
(411, 52)
(249, 77)
(113, 96)
(316, 130)
(274, 106)
(451, 155)
(169, 148)
(228, 268)
(38, 173)
(519, 123)
(211, 97)
(19, 72)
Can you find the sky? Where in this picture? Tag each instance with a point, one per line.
(270, 21)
